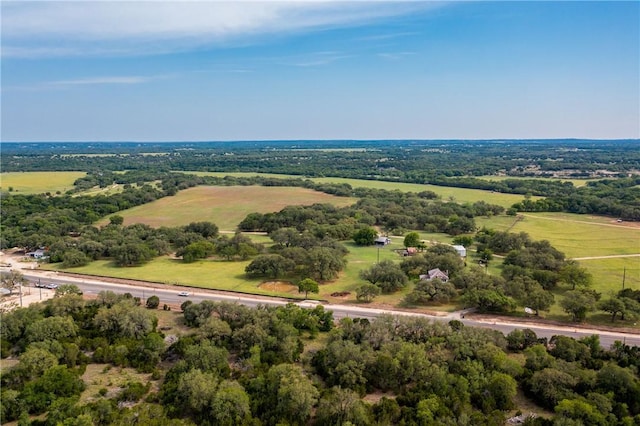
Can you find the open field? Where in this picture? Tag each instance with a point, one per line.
(576, 182)
(211, 274)
(230, 276)
(461, 195)
(583, 236)
(224, 206)
(575, 235)
(38, 182)
(608, 274)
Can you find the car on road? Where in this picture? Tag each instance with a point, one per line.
(51, 286)
(183, 294)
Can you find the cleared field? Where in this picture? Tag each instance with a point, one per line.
(38, 182)
(213, 274)
(224, 206)
(575, 235)
(461, 195)
(608, 274)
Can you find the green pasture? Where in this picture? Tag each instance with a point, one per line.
(575, 235)
(608, 274)
(224, 275)
(461, 195)
(576, 182)
(226, 206)
(358, 259)
(209, 274)
(38, 182)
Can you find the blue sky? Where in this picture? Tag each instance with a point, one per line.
(173, 71)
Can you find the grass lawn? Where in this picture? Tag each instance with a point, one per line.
(226, 206)
(39, 182)
(210, 274)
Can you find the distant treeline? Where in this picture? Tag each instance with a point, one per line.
(444, 163)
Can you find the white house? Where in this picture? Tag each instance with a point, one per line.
(462, 252)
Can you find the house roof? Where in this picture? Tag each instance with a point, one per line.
(434, 273)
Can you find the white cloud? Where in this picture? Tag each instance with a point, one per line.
(101, 80)
(395, 55)
(37, 28)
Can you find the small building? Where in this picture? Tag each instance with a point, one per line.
(382, 241)
(462, 252)
(435, 273)
(38, 254)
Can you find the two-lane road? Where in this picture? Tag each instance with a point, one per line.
(170, 295)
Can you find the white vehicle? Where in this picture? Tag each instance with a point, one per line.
(184, 294)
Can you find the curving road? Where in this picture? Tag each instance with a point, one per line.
(169, 295)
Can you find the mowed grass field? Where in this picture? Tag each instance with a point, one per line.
(38, 182)
(224, 206)
(210, 274)
(593, 240)
(575, 235)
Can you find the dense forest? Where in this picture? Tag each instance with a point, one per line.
(272, 366)
(445, 163)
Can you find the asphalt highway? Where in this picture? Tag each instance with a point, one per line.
(170, 295)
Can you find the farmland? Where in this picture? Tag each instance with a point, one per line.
(593, 240)
(38, 182)
(461, 195)
(224, 206)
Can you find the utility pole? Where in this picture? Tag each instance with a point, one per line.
(21, 294)
(624, 276)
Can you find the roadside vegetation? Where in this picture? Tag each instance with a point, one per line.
(113, 361)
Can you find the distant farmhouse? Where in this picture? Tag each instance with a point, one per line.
(382, 241)
(38, 254)
(462, 252)
(435, 273)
